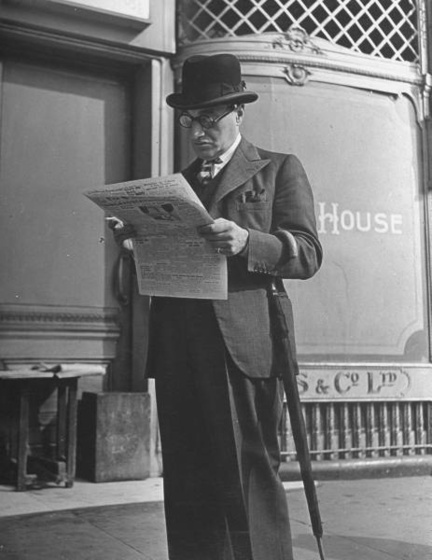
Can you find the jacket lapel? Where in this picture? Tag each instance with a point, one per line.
(245, 163)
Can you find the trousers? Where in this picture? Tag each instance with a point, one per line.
(223, 498)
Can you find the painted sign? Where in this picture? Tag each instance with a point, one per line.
(373, 383)
(362, 154)
(335, 220)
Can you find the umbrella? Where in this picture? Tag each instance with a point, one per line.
(290, 368)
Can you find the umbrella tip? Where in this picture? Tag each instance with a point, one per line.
(320, 548)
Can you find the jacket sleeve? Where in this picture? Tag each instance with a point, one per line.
(291, 249)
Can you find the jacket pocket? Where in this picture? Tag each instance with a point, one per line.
(259, 206)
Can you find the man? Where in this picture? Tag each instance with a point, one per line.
(218, 386)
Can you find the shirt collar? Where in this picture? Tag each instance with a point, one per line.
(226, 156)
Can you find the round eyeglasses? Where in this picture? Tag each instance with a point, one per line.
(205, 121)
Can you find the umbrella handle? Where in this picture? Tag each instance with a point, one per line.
(320, 548)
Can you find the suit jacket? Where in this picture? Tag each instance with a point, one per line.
(268, 194)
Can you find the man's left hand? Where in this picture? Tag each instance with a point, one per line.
(225, 236)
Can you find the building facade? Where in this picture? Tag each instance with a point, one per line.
(344, 85)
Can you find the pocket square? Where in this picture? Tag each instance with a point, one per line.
(253, 196)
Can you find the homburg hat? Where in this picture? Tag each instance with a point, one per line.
(211, 80)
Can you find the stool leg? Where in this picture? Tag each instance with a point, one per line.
(23, 436)
(61, 420)
(71, 432)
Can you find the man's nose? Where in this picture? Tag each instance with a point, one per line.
(196, 129)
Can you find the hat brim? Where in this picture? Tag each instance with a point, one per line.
(178, 101)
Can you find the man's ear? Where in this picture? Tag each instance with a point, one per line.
(240, 111)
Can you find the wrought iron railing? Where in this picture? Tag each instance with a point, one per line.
(381, 28)
(361, 430)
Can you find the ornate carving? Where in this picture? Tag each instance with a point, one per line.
(296, 74)
(40, 317)
(44, 334)
(63, 320)
(296, 40)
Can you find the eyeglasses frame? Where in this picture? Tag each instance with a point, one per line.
(197, 119)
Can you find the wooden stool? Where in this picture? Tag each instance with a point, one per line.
(62, 468)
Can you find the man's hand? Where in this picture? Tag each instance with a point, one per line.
(123, 233)
(225, 236)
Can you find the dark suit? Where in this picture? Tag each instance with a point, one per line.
(217, 374)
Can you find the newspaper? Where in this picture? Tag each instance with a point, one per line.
(171, 258)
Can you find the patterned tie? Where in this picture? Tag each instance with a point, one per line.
(205, 173)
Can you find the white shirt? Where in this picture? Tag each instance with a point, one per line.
(226, 156)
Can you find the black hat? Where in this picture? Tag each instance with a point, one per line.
(211, 80)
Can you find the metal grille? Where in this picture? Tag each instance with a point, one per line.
(380, 28)
(361, 430)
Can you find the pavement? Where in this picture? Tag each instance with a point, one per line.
(369, 519)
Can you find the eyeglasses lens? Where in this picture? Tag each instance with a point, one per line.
(205, 121)
(185, 120)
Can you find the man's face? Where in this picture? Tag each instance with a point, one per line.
(209, 143)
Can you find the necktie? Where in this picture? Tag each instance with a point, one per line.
(205, 173)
